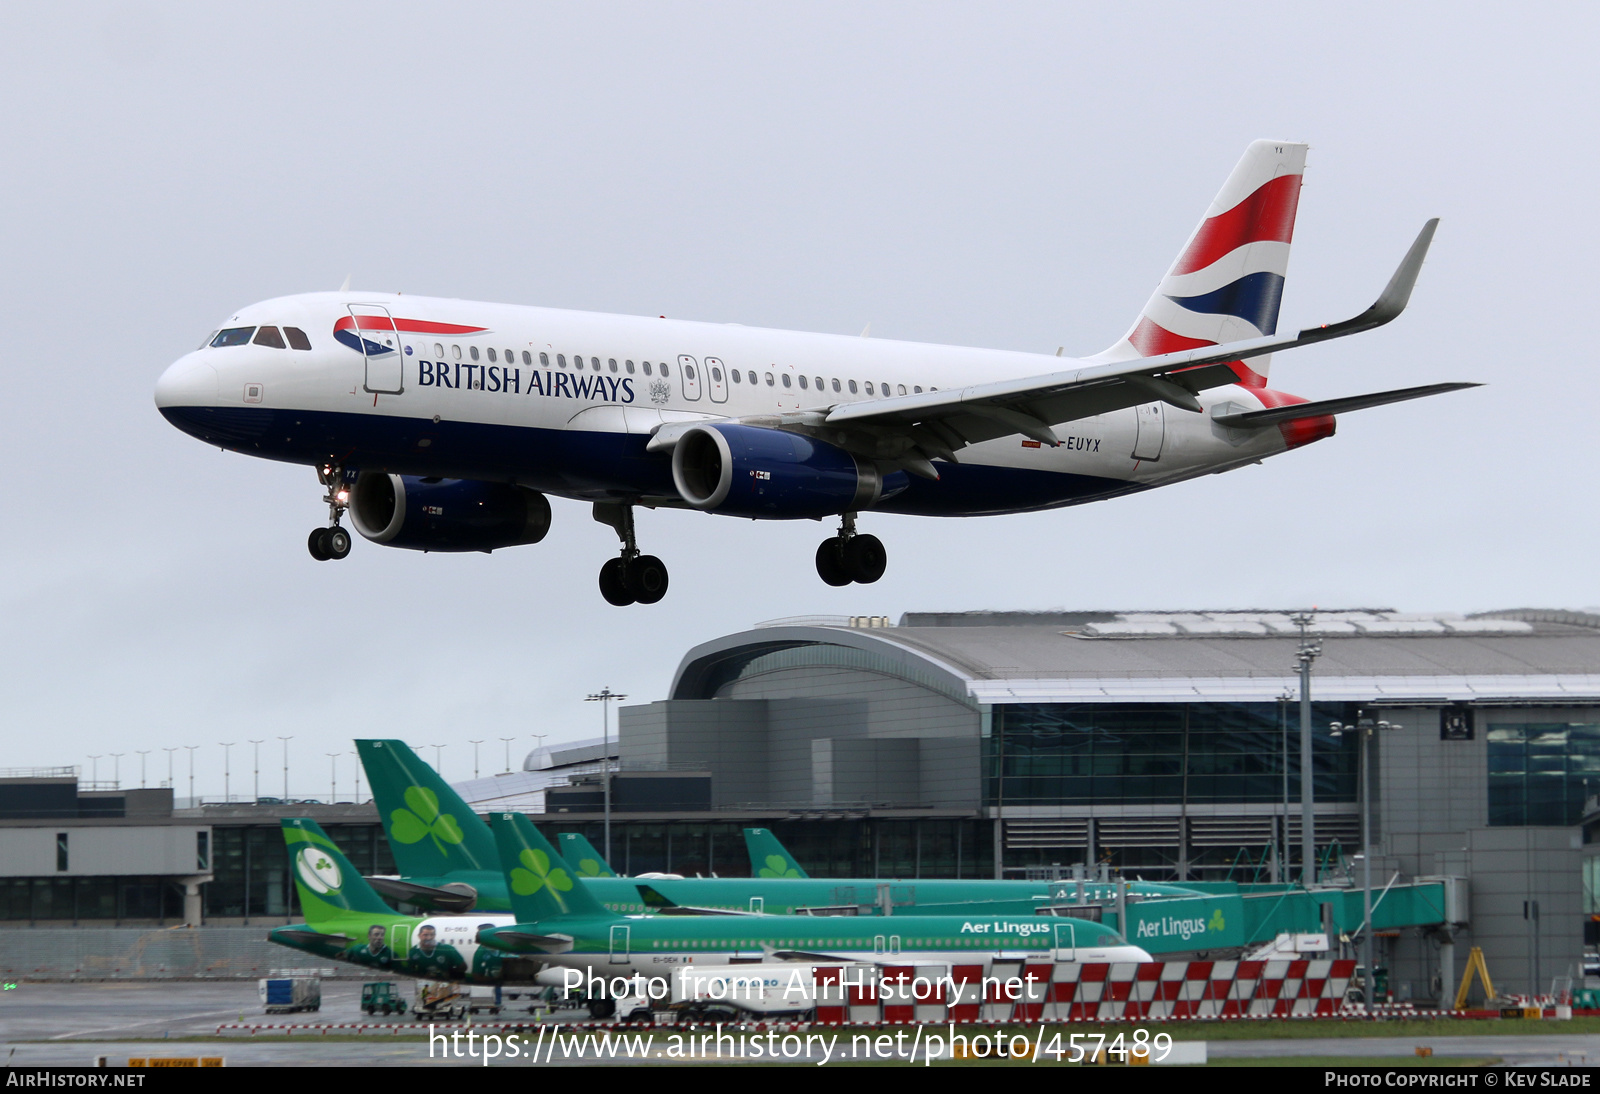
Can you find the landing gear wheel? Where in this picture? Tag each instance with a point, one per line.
(336, 541)
(864, 558)
(830, 563)
(647, 579)
(317, 544)
(614, 583)
(602, 1008)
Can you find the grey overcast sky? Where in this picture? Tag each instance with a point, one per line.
(1010, 175)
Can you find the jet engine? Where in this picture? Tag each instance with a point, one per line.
(446, 514)
(751, 471)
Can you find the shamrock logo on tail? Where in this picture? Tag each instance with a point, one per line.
(588, 868)
(535, 873)
(777, 867)
(424, 819)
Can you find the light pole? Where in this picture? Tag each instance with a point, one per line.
(255, 790)
(171, 782)
(1365, 727)
(333, 776)
(286, 741)
(508, 741)
(94, 769)
(227, 789)
(1283, 740)
(475, 745)
(142, 753)
(358, 775)
(604, 697)
(191, 749)
(1308, 652)
(116, 767)
(438, 759)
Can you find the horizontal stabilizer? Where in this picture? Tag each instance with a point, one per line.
(294, 935)
(454, 896)
(526, 940)
(1258, 419)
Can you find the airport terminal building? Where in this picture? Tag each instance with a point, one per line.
(1162, 745)
(1158, 745)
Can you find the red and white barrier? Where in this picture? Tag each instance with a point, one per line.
(1017, 991)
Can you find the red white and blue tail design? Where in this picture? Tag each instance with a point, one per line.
(1227, 281)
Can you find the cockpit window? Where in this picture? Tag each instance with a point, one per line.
(233, 336)
(269, 336)
(297, 338)
(206, 341)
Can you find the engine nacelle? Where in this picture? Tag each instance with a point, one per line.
(446, 514)
(751, 471)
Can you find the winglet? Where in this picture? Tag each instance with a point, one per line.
(1394, 298)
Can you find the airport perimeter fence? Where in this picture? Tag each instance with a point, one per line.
(130, 953)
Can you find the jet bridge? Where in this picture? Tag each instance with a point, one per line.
(1252, 915)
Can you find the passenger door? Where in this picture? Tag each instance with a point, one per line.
(380, 345)
(1064, 946)
(619, 943)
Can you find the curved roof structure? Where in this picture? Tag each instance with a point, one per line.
(1366, 655)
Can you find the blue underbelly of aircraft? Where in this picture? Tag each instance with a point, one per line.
(581, 463)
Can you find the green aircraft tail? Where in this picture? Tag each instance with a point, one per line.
(768, 857)
(541, 884)
(431, 830)
(584, 858)
(328, 885)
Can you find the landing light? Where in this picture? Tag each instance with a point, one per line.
(344, 496)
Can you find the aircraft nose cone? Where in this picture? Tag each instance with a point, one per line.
(189, 381)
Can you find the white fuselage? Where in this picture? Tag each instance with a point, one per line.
(497, 391)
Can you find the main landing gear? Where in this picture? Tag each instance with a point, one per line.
(851, 556)
(332, 541)
(630, 578)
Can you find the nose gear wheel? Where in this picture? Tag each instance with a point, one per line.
(332, 542)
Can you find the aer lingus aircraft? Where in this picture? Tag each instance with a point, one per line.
(557, 923)
(447, 862)
(441, 425)
(560, 922)
(584, 858)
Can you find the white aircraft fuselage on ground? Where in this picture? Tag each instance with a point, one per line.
(441, 424)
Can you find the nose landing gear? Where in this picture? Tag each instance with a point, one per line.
(851, 556)
(332, 542)
(631, 578)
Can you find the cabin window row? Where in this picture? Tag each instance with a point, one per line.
(738, 376)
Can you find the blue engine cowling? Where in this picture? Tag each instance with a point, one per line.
(751, 471)
(446, 514)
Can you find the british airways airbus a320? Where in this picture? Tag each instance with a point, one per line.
(440, 425)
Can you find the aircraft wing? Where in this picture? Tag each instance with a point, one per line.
(940, 422)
